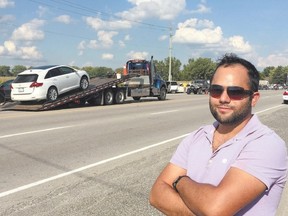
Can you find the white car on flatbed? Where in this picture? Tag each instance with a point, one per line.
(47, 82)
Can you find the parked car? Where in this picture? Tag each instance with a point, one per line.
(181, 88)
(5, 91)
(47, 82)
(199, 87)
(172, 87)
(285, 97)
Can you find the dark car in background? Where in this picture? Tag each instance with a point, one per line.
(5, 91)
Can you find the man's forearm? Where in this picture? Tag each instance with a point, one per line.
(167, 200)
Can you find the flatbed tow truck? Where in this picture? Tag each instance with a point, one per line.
(139, 80)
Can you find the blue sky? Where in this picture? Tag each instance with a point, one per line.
(109, 32)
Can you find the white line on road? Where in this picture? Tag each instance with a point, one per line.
(269, 109)
(164, 112)
(37, 131)
(24, 187)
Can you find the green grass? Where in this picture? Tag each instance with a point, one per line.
(3, 79)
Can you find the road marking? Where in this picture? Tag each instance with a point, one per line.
(268, 109)
(37, 131)
(164, 112)
(43, 181)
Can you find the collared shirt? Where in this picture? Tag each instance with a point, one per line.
(256, 149)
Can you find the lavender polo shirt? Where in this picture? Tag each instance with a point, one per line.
(256, 149)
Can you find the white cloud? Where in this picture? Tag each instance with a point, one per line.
(106, 38)
(162, 9)
(10, 48)
(107, 56)
(273, 60)
(99, 24)
(196, 31)
(137, 55)
(204, 33)
(6, 3)
(163, 37)
(30, 53)
(127, 38)
(6, 18)
(42, 11)
(238, 44)
(121, 43)
(66, 19)
(93, 44)
(201, 9)
(29, 31)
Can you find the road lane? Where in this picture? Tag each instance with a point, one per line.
(114, 175)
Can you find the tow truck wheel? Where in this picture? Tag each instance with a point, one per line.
(108, 97)
(2, 99)
(162, 95)
(136, 98)
(119, 97)
(52, 94)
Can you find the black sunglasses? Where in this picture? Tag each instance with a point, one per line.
(234, 92)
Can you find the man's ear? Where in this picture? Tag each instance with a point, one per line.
(255, 98)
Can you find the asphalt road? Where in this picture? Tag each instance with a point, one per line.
(101, 160)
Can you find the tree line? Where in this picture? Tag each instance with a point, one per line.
(200, 68)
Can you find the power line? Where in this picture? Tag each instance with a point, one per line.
(94, 11)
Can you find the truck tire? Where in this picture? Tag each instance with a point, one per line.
(52, 94)
(2, 99)
(162, 95)
(108, 97)
(119, 97)
(84, 83)
(136, 98)
(95, 101)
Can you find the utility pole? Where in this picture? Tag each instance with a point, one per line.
(170, 55)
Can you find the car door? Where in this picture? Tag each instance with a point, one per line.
(56, 78)
(72, 78)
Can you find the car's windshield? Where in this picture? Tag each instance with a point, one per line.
(26, 78)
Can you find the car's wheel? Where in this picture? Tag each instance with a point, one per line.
(119, 97)
(199, 91)
(136, 98)
(162, 95)
(285, 101)
(84, 83)
(52, 94)
(188, 91)
(108, 97)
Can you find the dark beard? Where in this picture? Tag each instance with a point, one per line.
(236, 118)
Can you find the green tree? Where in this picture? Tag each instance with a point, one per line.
(5, 70)
(279, 75)
(163, 68)
(18, 69)
(98, 71)
(267, 71)
(201, 68)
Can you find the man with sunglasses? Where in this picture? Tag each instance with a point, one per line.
(236, 166)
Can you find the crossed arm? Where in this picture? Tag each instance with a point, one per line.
(235, 191)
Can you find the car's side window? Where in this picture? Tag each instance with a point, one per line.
(66, 70)
(53, 73)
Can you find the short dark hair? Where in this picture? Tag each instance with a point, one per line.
(230, 59)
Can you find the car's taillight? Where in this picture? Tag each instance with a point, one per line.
(36, 84)
(11, 87)
(285, 93)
